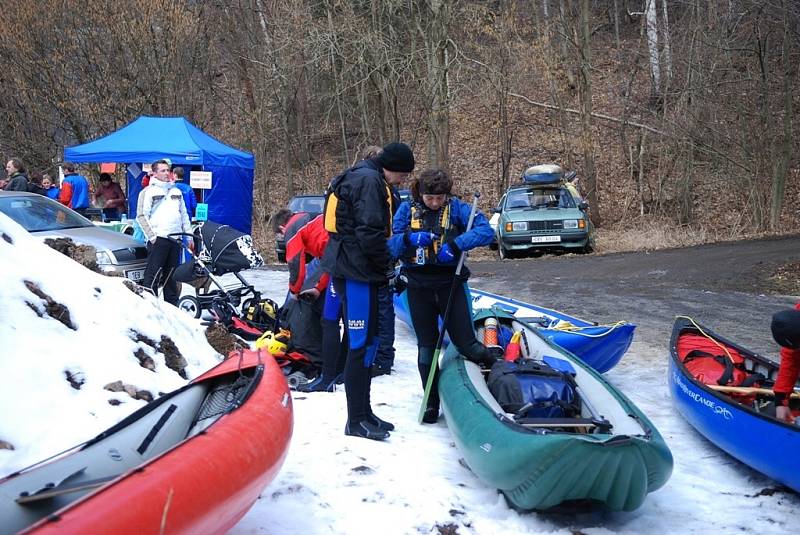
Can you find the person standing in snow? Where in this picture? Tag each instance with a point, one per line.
(428, 236)
(161, 212)
(358, 217)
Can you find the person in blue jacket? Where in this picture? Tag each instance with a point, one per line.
(429, 234)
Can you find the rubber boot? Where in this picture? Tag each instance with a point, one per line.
(371, 418)
(365, 429)
(424, 362)
(320, 384)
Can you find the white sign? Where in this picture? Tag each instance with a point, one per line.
(200, 179)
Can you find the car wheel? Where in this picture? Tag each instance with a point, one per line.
(190, 305)
(502, 252)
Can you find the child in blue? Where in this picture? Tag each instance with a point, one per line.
(429, 235)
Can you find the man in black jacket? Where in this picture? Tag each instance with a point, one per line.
(358, 216)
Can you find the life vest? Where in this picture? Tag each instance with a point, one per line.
(438, 222)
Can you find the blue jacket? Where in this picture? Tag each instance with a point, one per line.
(480, 233)
(189, 198)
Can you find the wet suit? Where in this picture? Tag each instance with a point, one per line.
(429, 283)
(358, 215)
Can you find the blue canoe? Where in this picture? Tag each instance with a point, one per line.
(747, 432)
(599, 346)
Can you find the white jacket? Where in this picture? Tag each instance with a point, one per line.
(161, 211)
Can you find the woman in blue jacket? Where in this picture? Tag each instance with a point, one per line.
(430, 232)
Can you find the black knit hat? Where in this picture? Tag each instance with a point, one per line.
(786, 328)
(397, 157)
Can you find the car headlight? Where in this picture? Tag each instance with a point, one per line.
(103, 257)
(574, 223)
(516, 225)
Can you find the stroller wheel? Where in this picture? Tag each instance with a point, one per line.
(190, 305)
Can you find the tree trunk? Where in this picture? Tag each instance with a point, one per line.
(585, 96)
(785, 155)
(652, 46)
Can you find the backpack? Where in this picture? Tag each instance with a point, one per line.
(529, 388)
(718, 369)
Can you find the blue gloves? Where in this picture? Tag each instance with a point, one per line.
(446, 254)
(421, 239)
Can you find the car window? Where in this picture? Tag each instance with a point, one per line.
(312, 205)
(517, 201)
(38, 213)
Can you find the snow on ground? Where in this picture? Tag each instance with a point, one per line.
(42, 413)
(330, 483)
(413, 482)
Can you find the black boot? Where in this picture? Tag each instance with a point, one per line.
(424, 361)
(371, 418)
(365, 429)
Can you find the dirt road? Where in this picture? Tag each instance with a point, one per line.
(723, 285)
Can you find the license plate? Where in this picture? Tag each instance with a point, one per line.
(546, 239)
(135, 274)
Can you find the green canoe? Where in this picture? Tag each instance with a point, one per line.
(538, 466)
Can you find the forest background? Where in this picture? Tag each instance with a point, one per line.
(678, 115)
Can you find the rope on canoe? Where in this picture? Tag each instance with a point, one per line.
(700, 329)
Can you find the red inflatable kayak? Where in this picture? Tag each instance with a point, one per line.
(192, 461)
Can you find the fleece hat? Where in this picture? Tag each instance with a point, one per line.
(786, 328)
(397, 157)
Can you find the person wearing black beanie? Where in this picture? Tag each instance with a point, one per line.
(358, 215)
(397, 157)
(786, 332)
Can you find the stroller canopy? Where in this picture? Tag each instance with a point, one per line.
(228, 249)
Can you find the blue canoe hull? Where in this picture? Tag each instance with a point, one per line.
(601, 347)
(757, 440)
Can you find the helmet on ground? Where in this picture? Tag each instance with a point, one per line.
(275, 344)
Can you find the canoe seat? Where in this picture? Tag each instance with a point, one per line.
(603, 426)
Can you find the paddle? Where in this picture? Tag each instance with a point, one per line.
(440, 341)
(747, 390)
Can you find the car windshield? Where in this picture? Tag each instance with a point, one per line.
(312, 205)
(37, 213)
(539, 198)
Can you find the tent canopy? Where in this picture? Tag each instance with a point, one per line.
(147, 139)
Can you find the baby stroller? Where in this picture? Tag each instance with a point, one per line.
(219, 249)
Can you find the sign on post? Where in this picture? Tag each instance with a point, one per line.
(200, 179)
(201, 212)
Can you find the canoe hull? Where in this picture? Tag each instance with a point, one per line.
(204, 484)
(761, 442)
(539, 471)
(601, 347)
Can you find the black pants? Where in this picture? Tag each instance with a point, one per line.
(162, 259)
(426, 305)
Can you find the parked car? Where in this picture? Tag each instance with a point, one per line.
(312, 204)
(543, 216)
(117, 253)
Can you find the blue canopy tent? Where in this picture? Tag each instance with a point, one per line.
(230, 200)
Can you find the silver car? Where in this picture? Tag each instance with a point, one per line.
(43, 217)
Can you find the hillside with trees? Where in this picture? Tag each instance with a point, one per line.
(677, 114)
